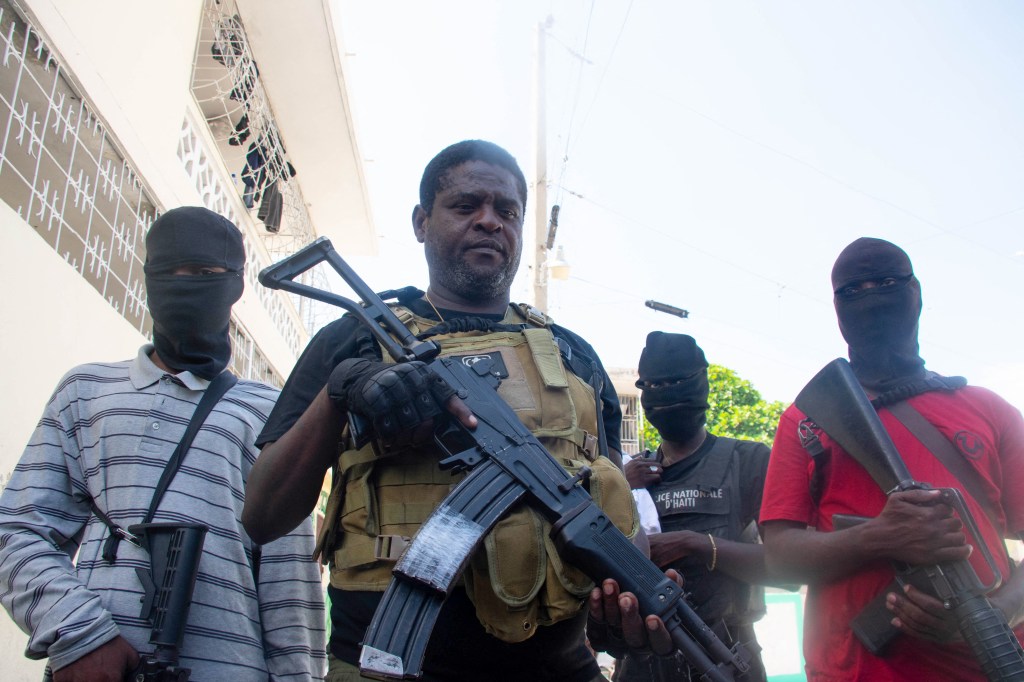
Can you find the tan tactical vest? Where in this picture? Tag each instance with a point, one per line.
(517, 580)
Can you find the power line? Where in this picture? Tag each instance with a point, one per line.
(944, 230)
(581, 58)
(604, 71)
(841, 182)
(710, 254)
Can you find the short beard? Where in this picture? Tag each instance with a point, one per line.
(456, 275)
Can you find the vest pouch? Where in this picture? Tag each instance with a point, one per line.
(506, 574)
(571, 579)
(388, 500)
(611, 492)
(327, 536)
(517, 581)
(353, 564)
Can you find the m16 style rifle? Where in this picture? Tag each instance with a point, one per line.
(506, 464)
(174, 551)
(836, 403)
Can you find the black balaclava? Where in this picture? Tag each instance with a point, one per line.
(191, 312)
(879, 323)
(674, 385)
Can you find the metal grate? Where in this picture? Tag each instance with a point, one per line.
(630, 437)
(227, 86)
(63, 174)
(235, 106)
(247, 360)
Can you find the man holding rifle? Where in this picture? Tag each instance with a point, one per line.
(106, 441)
(707, 494)
(810, 479)
(518, 613)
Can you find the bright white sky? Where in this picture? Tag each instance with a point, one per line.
(718, 156)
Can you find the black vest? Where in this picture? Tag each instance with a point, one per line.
(705, 501)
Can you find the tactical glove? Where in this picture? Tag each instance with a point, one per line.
(395, 398)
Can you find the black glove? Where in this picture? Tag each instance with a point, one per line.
(395, 398)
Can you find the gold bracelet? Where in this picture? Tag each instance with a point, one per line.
(714, 553)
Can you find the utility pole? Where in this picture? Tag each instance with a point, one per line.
(540, 201)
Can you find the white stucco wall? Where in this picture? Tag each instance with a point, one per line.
(134, 60)
(50, 320)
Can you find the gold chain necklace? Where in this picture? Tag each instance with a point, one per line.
(436, 311)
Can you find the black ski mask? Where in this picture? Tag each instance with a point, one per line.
(191, 312)
(674, 385)
(879, 323)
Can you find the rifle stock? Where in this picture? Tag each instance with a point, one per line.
(835, 401)
(506, 463)
(174, 550)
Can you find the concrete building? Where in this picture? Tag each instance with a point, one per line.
(114, 111)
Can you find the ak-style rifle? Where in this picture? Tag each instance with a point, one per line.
(506, 464)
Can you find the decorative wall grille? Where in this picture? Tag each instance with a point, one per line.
(65, 176)
(211, 187)
(230, 94)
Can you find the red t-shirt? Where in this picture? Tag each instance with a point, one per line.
(990, 434)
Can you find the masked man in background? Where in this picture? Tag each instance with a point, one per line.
(707, 492)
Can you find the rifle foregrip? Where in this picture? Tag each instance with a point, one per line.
(995, 647)
(589, 539)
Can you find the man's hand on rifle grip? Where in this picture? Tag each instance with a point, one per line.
(917, 527)
(922, 615)
(399, 400)
(615, 624)
(108, 663)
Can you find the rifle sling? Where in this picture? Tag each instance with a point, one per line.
(947, 454)
(221, 384)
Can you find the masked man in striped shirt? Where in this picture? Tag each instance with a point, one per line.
(94, 462)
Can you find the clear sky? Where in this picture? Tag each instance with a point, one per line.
(718, 156)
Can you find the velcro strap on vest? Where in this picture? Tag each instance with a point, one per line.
(351, 458)
(545, 354)
(389, 547)
(359, 550)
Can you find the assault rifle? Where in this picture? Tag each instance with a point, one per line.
(506, 463)
(835, 401)
(174, 551)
